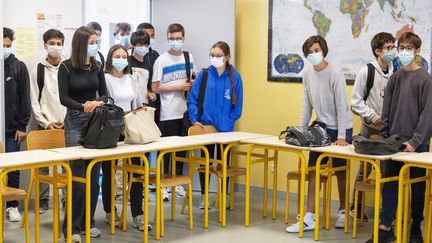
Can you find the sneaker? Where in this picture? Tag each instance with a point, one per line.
(351, 213)
(201, 203)
(340, 219)
(138, 222)
(165, 195)
(43, 206)
(13, 214)
(108, 218)
(309, 224)
(383, 237)
(180, 191)
(94, 232)
(416, 236)
(76, 238)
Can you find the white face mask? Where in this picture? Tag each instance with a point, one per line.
(217, 62)
(54, 50)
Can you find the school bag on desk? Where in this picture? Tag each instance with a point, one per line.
(104, 127)
(140, 127)
(314, 135)
(378, 146)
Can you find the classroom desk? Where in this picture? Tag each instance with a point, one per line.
(348, 153)
(124, 151)
(35, 159)
(421, 160)
(274, 143)
(230, 139)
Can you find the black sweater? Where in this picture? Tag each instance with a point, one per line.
(76, 86)
(17, 95)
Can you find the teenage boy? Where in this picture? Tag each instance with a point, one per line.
(147, 27)
(368, 93)
(44, 96)
(170, 81)
(122, 34)
(324, 92)
(407, 112)
(17, 112)
(98, 29)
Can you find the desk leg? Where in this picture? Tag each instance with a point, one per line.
(112, 206)
(302, 192)
(2, 211)
(224, 184)
(317, 193)
(427, 204)
(146, 196)
(206, 185)
(265, 194)
(247, 196)
(347, 194)
(399, 208)
(158, 195)
(275, 175)
(36, 202)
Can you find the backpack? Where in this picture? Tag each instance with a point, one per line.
(40, 79)
(378, 146)
(369, 80)
(314, 135)
(104, 127)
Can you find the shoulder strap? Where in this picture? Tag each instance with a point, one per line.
(202, 93)
(40, 79)
(369, 80)
(187, 62)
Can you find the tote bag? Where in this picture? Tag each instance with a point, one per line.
(140, 127)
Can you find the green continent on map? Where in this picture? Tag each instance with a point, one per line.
(358, 10)
(391, 2)
(321, 23)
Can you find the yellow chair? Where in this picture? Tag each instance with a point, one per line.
(10, 194)
(48, 139)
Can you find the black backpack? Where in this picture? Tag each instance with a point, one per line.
(104, 127)
(378, 146)
(314, 135)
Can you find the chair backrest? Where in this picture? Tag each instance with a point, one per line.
(45, 139)
(198, 130)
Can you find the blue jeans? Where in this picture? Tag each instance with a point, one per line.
(75, 127)
(390, 191)
(13, 177)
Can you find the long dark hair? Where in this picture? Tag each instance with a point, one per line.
(108, 64)
(226, 50)
(79, 48)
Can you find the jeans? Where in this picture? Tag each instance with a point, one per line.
(75, 126)
(13, 177)
(390, 192)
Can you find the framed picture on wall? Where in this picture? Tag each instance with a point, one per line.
(348, 27)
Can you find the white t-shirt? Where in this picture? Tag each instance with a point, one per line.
(122, 90)
(141, 75)
(170, 70)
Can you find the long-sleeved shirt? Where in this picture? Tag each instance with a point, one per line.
(124, 91)
(325, 92)
(17, 95)
(76, 86)
(407, 107)
(48, 109)
(370, 110)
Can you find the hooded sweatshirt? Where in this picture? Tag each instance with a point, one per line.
(370, 110)
(217, 107)
(17, 95)
(49, 109)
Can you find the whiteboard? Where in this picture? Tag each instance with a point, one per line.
(205, 23)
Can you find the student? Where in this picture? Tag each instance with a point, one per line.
(98, 29)
(407, 112)
(170, 81)
(45, 101)
(80, 80)
(125, 91)
(223, 99)
(147, 27)
(122, 34)
(324, 92)
(17, 112)
(367, 102)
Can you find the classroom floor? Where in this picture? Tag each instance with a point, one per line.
(177, 231)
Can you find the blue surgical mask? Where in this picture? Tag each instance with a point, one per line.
(389, 56)
(92, 50)
(406, 57)
(120, 63)
(124, 40)
(175, 45)
(315, 58)
(152, 42)
(6, 52)
(141, 50)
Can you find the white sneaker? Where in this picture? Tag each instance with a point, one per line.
(13, 214)
(340, 219)
(180, 191)
(116, 218)
(201, 203)
(94, 232)
(309, 224)
(138, 222)
(76, 238)
(165, 195)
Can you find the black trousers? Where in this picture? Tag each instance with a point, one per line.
(172, 128)
(211, 150)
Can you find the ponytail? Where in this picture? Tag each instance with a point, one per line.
(231, 75)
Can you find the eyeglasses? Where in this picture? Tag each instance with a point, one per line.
(408, 48)
(175, 38)
(215, 55)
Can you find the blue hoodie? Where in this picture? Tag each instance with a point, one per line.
(217, 108)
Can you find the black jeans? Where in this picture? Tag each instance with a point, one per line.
(390, 192)
(13, 177)
(172, 128)
(75, 125)
(211, 150)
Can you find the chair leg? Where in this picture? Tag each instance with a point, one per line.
(362, 210)
(354, 234)
(287, 192)
(56, 217)
(232, 193)
(325, 195)
(173, 203)
(190, 207)
(219, 200)
(162, 217)
(329, 190)
(184, 202)
(406, 207)
(218, 194)
(30, 188)
(26, 220)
